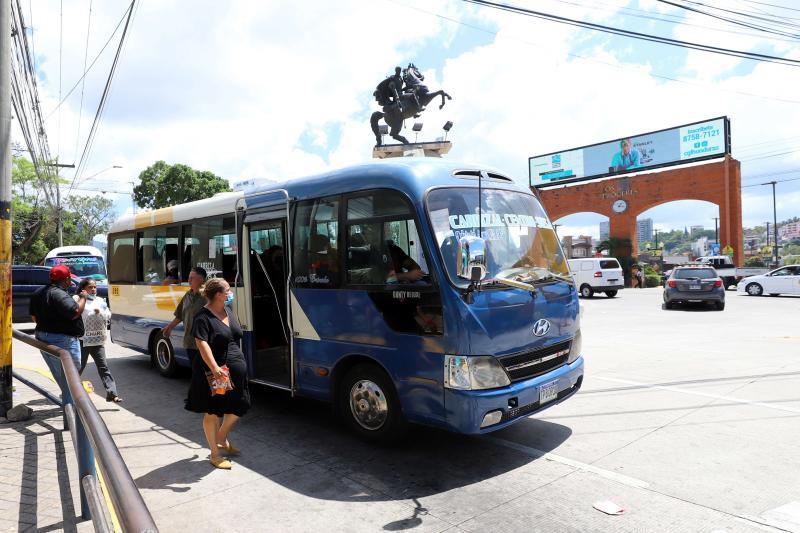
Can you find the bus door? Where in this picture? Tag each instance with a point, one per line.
(267, 263)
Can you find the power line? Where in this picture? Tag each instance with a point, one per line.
(771, 5)
(598, 61)
(83, 78)
(60, 65)
(86, 71)
(103, 99)
(673, 19)
(776, 181)
(638, 35)
(729, 20)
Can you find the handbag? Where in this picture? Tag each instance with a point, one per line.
(220, 385)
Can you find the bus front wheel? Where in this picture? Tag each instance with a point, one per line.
(163, 355)
(369, 404)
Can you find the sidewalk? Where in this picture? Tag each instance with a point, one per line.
(38, 469)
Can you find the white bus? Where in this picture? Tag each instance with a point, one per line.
(83, 262)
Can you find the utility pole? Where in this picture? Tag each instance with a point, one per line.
(59, 218)
(774, 222)
(716, 230)
(6, 396)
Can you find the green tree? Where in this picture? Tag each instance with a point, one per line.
(33, 211)
(163, 185)
(88, 215)
(754, 261)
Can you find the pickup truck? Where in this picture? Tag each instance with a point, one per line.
(726, 270)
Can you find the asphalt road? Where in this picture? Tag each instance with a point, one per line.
(688, 420)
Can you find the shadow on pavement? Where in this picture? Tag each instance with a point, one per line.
(299, 444)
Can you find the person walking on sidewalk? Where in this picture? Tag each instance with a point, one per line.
(96, 315)
(191, 303)
(218, 333)
(58, 322)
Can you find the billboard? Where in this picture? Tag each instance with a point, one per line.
(673, 146)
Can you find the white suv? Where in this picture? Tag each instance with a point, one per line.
(597, 274)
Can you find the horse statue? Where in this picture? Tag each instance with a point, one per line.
(410, 103)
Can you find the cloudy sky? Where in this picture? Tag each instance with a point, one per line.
(283, 89)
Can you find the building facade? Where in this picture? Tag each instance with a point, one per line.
(644, 229)
(576, 247)
(604, 230)
(789, 231)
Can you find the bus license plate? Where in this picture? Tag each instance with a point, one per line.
(694, 287)
(548, 392)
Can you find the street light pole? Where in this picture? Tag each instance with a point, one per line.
(6, 397)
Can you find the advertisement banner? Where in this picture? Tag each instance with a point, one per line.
(673, 146)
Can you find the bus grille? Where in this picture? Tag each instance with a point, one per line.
(537, 362)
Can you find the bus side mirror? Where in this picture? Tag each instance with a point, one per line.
(471, 258)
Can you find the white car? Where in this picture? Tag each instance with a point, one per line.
(784, 280)
(597, 274)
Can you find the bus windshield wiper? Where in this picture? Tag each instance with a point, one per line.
(527, 278)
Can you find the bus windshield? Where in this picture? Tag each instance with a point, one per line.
(520, 239)
(82, 266)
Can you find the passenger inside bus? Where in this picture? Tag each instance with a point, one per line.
(375, 260)
(172, 273)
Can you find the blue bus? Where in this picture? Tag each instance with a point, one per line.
(408, 290)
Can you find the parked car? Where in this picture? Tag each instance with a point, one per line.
(694, 283)
(784, 280)
(25, 279)
(597, 274)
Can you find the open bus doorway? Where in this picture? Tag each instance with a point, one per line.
(271, 360)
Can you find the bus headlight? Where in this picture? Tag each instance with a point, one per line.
(575, 348)
(473, 373)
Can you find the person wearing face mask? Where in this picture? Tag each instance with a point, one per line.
(96, 315)
(58, 322)
(217, 334)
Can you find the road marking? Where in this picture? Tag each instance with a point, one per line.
(703, 394)
(785, 517)
(534, 452)
(43, 371)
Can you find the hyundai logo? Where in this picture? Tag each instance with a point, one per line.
(541, 327)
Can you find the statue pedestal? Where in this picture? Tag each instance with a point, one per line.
(429, 149)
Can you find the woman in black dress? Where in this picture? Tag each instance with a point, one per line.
(217, 333)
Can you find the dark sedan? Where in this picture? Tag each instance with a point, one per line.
(26, 279)
(694, 284)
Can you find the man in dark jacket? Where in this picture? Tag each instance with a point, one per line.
(58, 322)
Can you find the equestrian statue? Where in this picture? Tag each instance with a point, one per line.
(401, 97)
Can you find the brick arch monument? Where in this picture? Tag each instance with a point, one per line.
(718, 182)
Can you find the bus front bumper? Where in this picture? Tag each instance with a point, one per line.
(467, 410)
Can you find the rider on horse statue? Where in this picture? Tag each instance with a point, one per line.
(401, 96)
(388, 91)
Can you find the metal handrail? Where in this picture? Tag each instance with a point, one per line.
(133, 514)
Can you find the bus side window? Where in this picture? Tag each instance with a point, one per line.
(383, 246)
(122, 259)
(316, 262)
(211, 244)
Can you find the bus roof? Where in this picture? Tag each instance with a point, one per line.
(67, 251)
(411, 175)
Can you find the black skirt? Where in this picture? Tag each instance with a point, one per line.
(224, 343)
(234, 402)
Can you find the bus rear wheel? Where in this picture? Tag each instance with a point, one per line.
(163, 356)
(369, 404)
